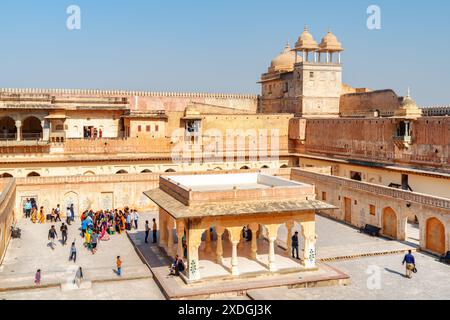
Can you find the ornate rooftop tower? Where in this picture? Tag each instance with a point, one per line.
(306, 80)
(318, 82)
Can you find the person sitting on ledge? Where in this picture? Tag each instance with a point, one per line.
(177, 267)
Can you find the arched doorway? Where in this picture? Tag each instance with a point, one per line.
(8, 128)
(390, 223)
(71, 198)
(435, 236)
(31, 129)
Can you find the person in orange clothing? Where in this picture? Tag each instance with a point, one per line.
(119, 266)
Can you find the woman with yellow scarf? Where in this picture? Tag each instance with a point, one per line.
(41, 215)
(33, 215)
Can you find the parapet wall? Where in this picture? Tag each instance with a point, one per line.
(100, 192)
(373, 140)
(7, 213)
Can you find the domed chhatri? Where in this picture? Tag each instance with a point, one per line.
(330, 43)
(306, 42)
(408, 108)
(284, 61)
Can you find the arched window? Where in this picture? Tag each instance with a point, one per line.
(245, 168)
(6, 175)
(122, 172)
(8, 128)
(146, 171)
(284, 166)
(265, 167)
(31, 129)
(170, 171)
(33, 174)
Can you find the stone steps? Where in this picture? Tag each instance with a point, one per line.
(57, 279)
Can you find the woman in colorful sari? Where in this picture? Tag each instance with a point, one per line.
(104, 236)
(87, 237)
(34, 215)
(41, 215)
(122, 223)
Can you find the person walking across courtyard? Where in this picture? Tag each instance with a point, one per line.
(52, 235)
(295, 246)
(410, 262)
(63, 230)
(155, 237)
(72, 212)
(37, 278)
(119, 266)
(136, 219)
(78, 277)
(58, 213)
(147, 231)
(73, 253)
(27, 208)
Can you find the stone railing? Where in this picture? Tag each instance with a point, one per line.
(87, 179)
(436, 111)
(408, 196)
(128, 93)
(134, 177)
(161, 146)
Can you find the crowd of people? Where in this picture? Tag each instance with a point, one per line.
(100, 225)
(95, 226)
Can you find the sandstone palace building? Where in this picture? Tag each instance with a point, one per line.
(374, 155)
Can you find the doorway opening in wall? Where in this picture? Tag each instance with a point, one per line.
(357, 176)
(413, 230)
(88, 132)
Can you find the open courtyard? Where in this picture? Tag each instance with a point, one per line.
(146, 273)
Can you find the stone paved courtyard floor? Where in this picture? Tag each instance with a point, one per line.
(31, 252)
(24, 256)
(144, 289)
(432, 282)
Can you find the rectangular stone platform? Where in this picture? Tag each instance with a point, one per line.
(214, 286)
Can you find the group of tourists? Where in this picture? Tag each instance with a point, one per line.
(92, 133)
(36, 215)
(100, 225)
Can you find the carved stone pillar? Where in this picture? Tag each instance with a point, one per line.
(235, 238)
(45, 130)
(219, 244)
(272, 230)
(19, 130)
(162, 229)
(208, 241)
(289, 226)
(180, 235)
(254, 227)
(309, 249)
(170, 240)
(193, 243)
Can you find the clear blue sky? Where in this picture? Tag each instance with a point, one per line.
(219, 46)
